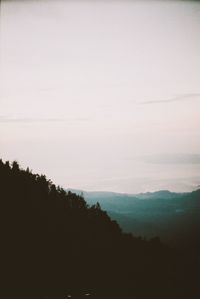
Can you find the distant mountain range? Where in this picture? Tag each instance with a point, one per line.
(174, 217)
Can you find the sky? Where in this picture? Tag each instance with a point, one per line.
(102, 95)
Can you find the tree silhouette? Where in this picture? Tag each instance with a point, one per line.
(56, 244)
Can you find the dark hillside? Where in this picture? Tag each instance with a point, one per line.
(55, 245)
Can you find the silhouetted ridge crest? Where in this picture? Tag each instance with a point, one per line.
(56, 244)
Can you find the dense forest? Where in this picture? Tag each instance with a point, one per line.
(55, 245)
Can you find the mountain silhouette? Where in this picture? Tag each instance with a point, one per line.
(172, 216)
(55, 245)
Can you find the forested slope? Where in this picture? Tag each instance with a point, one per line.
(54, 245)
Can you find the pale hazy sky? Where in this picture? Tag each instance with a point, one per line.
(102, 95)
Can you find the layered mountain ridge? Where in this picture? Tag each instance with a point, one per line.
(166, 214)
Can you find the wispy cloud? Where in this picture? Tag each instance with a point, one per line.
(183, 97)
(6, 119)
(172, 159)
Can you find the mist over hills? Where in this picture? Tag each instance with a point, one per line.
(56, 245)
(171, 216)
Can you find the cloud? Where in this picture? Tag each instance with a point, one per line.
(179, 98)
(172, 159)
(6, 119)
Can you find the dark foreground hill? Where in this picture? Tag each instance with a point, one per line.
(56, 246)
